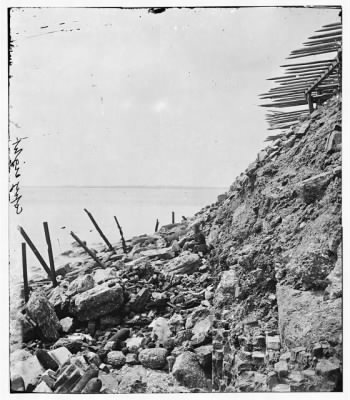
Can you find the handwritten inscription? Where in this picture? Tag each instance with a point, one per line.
(14, 171)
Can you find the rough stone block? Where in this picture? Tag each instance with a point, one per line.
(61, 355)
(273, 342)
(43, 314)
(98, 301)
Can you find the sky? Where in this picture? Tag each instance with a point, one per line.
(120, 97)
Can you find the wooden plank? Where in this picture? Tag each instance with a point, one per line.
(332, 24)
(323, 41)
(99, 230)
(35, 251)
(303, 80)
(286, 115)
(325, 35)
(25, 273)
(310, 103)
(278, 78)
(157, 225)
(308, 63)
(50, 253)
(331, 28)
(286, 88)
(307, 69)
(125, 250)
(284, 104)
(307, 50)
(310, 54)
(323, 76)
(87, 250)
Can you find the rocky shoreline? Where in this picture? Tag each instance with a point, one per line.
(141, 324)
(257, 309)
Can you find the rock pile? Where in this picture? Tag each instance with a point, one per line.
(259, 309)
(140, 314)
(277, 253)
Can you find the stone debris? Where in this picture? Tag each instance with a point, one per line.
(40, 310)
(249, 301)
(188, 371)
(153, 358)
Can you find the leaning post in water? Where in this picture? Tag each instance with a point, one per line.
(91, 254)
(157, 225)
(49, 250)
(25, 273)
(125, 250)
(35, 251)
(99, 230)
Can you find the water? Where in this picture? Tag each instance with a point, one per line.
(136, 208)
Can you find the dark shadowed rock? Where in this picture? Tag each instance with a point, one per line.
(305, 318)
(188, 371)
(46, 360)
(42, 312)
(121, 335)
(17, 384)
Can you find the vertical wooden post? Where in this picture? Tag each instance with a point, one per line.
(25, 273)
(309, 102)
(121, 235)
(91, 254)
(35, 251)
(49, 250)
(173, 217)
(157, 225)
(110, 247)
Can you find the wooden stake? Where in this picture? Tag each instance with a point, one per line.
(90, 253)
(110, 247)
(35, 251)
(157, 225)
(49, 250)
(310, 103)
(121, 235)
(25, 273)
(173, 217)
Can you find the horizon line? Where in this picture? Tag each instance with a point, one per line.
(127, 186)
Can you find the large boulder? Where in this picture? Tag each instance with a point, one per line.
(153, 358)
(228, 287)
(313, 188)
(43, 314)
(188, 371)
(185, 263)
(98, 301)
(306, 318)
